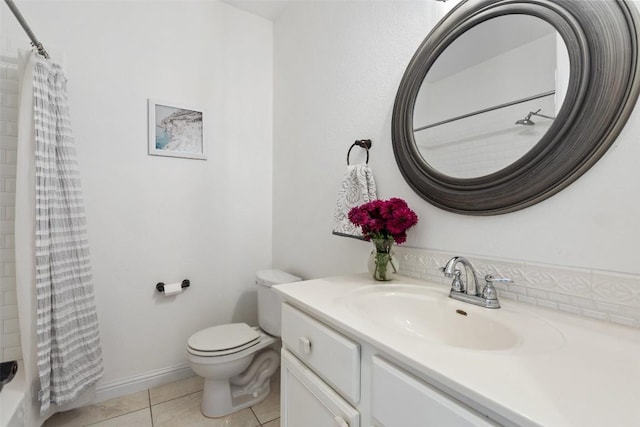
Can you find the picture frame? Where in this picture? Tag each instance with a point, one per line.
(176, 130)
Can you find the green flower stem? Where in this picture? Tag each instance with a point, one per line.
(383, 258)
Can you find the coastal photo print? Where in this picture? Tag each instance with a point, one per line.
(175, 131)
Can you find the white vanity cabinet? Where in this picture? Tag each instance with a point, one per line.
(331, 380)
(317, 364)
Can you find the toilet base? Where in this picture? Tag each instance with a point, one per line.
(222, 397)
(218, 400)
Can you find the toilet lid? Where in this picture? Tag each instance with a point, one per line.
(223, 338)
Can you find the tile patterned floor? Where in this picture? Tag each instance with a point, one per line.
(171, 405)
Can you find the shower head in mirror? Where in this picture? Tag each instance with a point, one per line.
(527, 120)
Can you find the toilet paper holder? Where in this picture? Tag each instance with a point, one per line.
(185, 284)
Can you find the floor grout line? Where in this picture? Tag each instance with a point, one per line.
(111, 417)
(255, 416)
(150, 411)
(173, 398)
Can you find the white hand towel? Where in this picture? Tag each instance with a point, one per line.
(357, 187)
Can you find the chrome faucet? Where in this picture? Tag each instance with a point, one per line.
(487, 296)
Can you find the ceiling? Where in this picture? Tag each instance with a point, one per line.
(269, 9)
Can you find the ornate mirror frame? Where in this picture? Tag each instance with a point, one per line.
(602, 41)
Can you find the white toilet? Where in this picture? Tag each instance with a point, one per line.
(236, 360)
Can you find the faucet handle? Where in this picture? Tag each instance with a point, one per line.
(490, 279)
(456, 283)
(489, 291)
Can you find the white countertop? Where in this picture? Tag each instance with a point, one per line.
(589, 377)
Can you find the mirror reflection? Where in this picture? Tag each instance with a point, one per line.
(491, 96)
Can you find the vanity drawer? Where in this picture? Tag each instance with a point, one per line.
(419, 404)
(329, 354)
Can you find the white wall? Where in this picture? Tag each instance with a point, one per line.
(151, 218)
(338, 66)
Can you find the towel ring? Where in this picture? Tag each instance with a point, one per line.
(363, 143)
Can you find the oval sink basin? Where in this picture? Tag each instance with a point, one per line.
(429, 314)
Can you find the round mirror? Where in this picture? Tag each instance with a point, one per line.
(470, 111)
(507, 102)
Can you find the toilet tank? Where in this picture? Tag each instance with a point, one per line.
(269, 301)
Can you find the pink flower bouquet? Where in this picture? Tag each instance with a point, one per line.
(383, 222)
(384, 219)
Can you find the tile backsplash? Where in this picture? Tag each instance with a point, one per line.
(611, 297)
(9, 328)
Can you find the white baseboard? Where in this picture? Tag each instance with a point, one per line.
(117, 388)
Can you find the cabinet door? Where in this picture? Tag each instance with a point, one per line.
(307, 401)
(401, 400)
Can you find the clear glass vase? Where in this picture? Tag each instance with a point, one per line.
(383, 264)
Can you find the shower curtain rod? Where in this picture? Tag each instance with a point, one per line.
(486, 110)
(34, 40)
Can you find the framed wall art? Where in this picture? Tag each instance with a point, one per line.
(175, 130)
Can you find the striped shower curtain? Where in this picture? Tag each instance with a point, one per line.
(68, 344)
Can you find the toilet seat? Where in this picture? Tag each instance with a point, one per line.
(222, 340)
